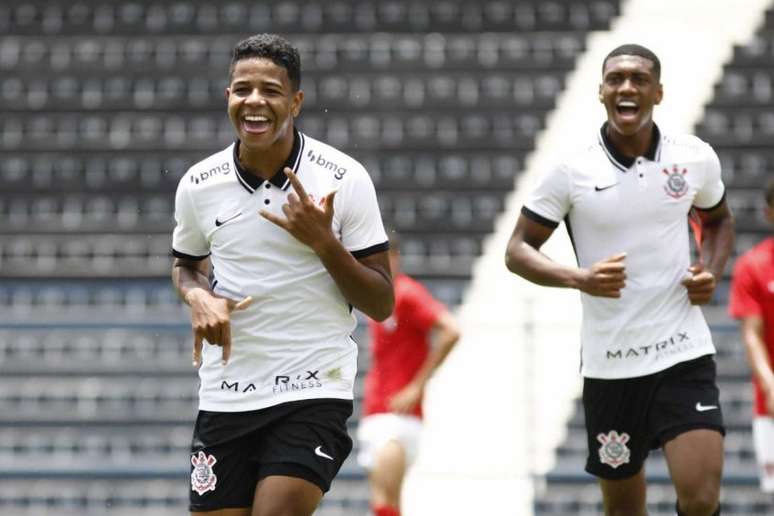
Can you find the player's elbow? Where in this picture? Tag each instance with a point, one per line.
(383, 310)
(513, 259)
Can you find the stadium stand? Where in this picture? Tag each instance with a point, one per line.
(105, 106)
(738, 123)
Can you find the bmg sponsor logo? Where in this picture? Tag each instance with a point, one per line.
(222, 169)
(338, 172)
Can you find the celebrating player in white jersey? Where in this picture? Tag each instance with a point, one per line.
(278, 236)
(647, 354)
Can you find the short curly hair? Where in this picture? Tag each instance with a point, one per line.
(269, 46)
(632, 49)
(770, 194)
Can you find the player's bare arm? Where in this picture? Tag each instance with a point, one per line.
(445, 334)
(758, 357)
(210, 313)
(366, 283)
(718, 242)
(605, 278)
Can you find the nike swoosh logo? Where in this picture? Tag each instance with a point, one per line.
(219, 223)
(704, 408)
(600, 188)
(318, 451)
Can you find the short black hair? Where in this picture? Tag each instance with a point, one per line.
(633, 49)
(273, 47)
(770, 194)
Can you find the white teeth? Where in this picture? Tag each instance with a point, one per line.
(256, 118)
(627, 103)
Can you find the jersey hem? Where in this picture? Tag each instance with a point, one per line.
(214, 406)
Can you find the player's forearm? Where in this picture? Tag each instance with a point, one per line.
(758, 357)
(367, 289)
(444, 342)
(532, 265)
(187, 279)
(718, 244)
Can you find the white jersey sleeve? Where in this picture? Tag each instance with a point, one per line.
(712, 191)
(551, 199)
(361, 221)
(187, 237)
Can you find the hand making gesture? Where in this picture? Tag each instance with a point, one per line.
(700, 284)
(307, 221)
(606, 277)
(211, 320)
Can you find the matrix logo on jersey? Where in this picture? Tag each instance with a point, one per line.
(613, 451)
(222, 169)
(676, 343)
(203, 477)
(284, 383)
(676, 185)
(328, 165)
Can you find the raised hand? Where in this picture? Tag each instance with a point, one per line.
(211, 321)
(700, 284)
(605, 278)
(309, 222)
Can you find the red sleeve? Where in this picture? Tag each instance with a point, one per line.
(745, 299)
(423, 308)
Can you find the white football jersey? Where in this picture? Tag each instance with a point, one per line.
(612, 204)
(294, 341)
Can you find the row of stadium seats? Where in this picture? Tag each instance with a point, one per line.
(178, 131)
(743, 126)
(339, 92)
(127, 172)
(209, 56)
(185, 16)
(141, 256)
(744, 87)
(584, 500)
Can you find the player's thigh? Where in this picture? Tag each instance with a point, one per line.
(624, 497)
(388, 469)
(278, 495)
(695, 460)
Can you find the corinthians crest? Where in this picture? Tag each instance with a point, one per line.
(613, 451)
(203, 478)
(676, 185)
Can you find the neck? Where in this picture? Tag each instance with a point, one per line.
(264, 163)
(632, 145)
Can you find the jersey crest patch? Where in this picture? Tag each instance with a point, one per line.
(203, 478)
(676, 185)
(613, 451)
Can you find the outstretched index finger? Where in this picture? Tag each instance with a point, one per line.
(297, 186)
(616, 257)
(241, 305)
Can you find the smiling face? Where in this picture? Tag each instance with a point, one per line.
(262, 104)
(629, 90)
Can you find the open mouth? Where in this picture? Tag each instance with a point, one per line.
(256, 124)
(627, 108)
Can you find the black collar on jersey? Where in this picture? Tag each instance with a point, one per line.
(625, 162)
(251, 182)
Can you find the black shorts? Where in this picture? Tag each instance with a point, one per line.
(232, 451)
(627, 418)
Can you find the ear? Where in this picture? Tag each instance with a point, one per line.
(659, 94)
(298, 100)
(599, 94)
(227, 93)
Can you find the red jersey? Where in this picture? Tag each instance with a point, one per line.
(752, 295)
(400, 344)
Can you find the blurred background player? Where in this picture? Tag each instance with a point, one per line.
(752, 302)
(405, 350)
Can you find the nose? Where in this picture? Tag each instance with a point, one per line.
(255, 97)
(627, 85)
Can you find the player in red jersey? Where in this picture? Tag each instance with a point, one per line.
(405, 349)
(752, 302)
